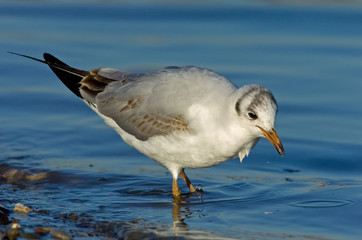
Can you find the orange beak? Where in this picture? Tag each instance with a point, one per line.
(274, 139)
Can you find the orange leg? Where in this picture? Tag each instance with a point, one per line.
(175, 190)
(187, 181)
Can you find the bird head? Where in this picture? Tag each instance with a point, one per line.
(257, 108)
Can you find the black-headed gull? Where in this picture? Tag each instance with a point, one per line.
(181, 117)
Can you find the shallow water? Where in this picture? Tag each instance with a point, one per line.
(76, 174)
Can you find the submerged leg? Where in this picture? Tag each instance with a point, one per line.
(175, 190)
(187, 181)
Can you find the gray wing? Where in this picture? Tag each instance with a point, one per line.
(127, 99)
(133, 101)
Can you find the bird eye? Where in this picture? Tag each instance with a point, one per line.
(252, 115)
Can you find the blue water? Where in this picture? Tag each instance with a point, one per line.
(310, 56)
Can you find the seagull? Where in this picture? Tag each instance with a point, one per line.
(181, 117)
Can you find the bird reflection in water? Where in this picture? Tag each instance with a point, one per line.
(181, 210)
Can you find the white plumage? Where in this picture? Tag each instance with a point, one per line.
(181, 117)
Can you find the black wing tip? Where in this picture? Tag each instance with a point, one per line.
(26, 56)
(47, 56)
(68, 75)
(50, 59)
(65, 73)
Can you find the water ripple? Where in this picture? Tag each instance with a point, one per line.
(322, 203)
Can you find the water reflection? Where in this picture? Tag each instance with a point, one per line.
(181, 210)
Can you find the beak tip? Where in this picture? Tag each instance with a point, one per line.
(274, 139)
(281, 152)
(280, 149)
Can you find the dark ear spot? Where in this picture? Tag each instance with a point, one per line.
(237, 107)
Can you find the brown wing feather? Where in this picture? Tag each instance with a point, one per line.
(152, 125)
(142, 126)
(93, 83)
